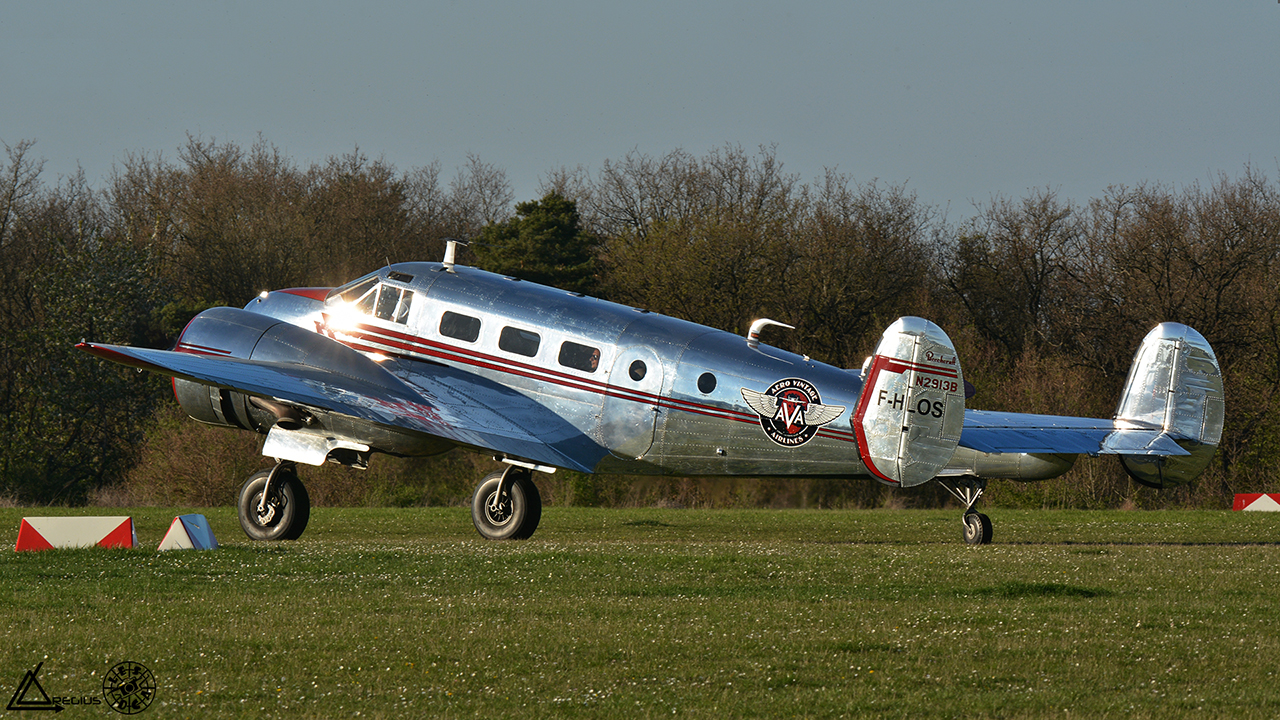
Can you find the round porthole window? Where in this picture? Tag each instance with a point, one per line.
(706, 383)
(637, 370)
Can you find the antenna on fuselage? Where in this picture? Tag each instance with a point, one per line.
(753, 335)
(451, 253)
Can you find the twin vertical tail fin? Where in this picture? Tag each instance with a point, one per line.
(1174, 392)
(911, 410)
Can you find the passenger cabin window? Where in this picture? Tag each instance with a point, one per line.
(520, 342)
(579, 357)
(460, 327)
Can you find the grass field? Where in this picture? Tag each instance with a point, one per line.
(648, 613)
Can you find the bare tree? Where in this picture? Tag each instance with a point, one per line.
(1013, 265)
(479, 195)
(18, 186)
(867, 256)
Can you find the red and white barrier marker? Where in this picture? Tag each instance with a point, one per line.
(189, 532)
(1257, 501)
(47, 533)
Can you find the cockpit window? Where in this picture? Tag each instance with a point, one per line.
(382, 301)
(364, 303)
(352, 292)
(393, 304)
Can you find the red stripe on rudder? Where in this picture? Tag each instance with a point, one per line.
(121, 537)
(30, 539)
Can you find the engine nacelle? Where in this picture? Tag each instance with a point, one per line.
(234, 333)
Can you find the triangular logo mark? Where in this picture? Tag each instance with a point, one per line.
(19, 700)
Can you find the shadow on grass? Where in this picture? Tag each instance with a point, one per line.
(1037, 590)
(647, 523)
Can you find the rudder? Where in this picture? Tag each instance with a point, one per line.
(911, 411)
(1174, 387)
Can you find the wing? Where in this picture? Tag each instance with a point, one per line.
(1007, 432)
(448, 403)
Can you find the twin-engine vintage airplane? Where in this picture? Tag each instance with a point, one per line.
(418, 358)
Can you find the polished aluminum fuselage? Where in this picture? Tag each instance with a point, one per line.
(685, 414)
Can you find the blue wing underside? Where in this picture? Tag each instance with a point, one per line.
(451, 404)
(1006, 432)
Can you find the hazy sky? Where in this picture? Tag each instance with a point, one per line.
(961, 101)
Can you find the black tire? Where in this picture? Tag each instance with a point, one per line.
(514, 516)
(977, 529)
(287, 513)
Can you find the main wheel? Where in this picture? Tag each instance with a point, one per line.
(287, 510)
(977, 528)
(512, 516)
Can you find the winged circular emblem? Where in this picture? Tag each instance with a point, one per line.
(791, 411)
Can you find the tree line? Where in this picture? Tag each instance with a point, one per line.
(1046, 298)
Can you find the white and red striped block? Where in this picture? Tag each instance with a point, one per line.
(1257, 501)
(47, 533)
(189, 532)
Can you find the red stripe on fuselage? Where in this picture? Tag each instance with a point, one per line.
(362, 335)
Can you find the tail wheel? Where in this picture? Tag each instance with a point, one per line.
(506, 509)
(286, 511)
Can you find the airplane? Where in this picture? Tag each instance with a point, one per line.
(421, 357)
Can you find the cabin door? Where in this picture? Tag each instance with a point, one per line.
(630, 413)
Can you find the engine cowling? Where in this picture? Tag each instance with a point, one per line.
(234, 333)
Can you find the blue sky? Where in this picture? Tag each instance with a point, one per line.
(960, 101)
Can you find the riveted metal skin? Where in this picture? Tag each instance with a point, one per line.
(417, 358)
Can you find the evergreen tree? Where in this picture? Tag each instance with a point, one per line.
(544, 243)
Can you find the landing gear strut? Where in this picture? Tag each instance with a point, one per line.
(968, 490)
(506, 505)
(274, 505)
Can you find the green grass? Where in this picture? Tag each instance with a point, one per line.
(646, 613)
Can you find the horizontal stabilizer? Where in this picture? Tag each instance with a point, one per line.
(1165, 429)
(1006, 432)
(1141, 442)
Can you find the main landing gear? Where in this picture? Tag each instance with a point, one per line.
(274, 505)
(506, 505)
(968, 490)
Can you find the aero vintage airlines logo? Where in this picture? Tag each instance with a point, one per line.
(791, 411)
